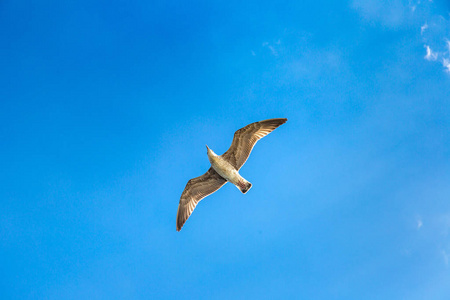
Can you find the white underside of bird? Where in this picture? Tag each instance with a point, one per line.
(227, 171)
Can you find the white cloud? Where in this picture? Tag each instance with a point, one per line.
(413, 4)
(434, 33)
(271, 48)
(398, 14)
(446, 64)
(430, 54)
(419, 223)
(388, 13)
(423, 28)
(445, 256)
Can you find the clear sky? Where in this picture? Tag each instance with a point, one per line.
(105, 110)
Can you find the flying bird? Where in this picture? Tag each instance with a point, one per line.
(224, 167)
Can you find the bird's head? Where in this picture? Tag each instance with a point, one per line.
(210, 152)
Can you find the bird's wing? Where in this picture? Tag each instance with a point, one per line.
(245, 139)
(196, 189)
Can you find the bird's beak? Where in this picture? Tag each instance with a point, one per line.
(207, 148)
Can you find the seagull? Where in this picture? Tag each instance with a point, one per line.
(224, 167)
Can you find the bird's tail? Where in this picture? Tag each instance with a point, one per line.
(243, 185)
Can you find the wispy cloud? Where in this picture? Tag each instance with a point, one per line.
(388, 13)
(434, 31)
(444, 220)
(419, 223)
(432, 56)
(445, 256)
(271, 47)
(446, 64)
(442, 55)
(423, 28)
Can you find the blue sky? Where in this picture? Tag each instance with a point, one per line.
(105, 110)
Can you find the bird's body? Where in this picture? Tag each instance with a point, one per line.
(227, 171)
(224, 168)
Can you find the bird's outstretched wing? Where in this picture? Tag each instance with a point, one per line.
(245, 139)
(196, 189)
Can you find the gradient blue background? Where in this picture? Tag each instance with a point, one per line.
(105, 110)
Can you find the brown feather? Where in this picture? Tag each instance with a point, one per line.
(196, 189)
(245, 139)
